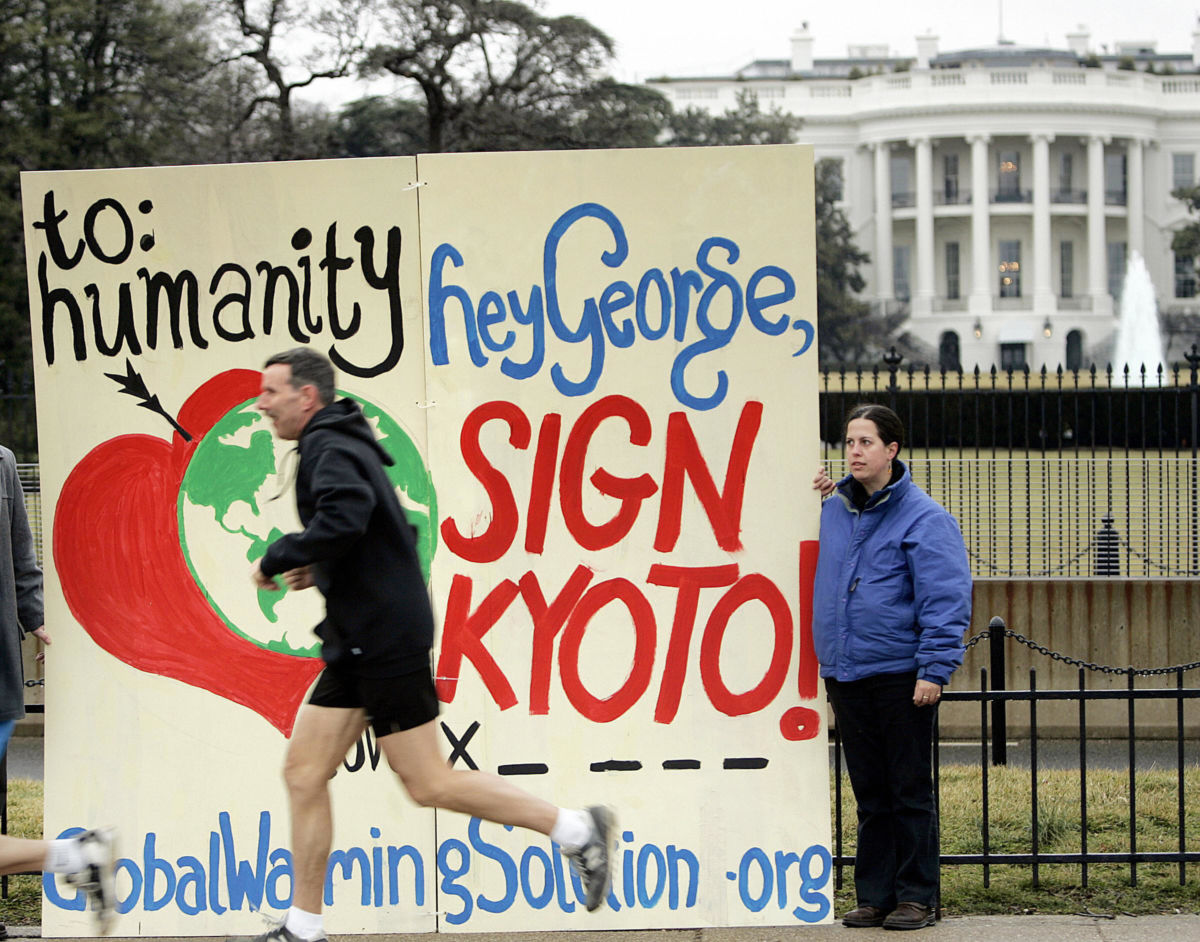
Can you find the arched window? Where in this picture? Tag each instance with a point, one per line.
(948, 356)
(1074, 350)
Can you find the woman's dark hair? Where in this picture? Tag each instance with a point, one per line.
(891, 429)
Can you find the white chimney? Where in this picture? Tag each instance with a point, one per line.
(926, 49)
(1079, 41)
(802, 49)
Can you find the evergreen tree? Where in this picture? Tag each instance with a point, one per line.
(745, 123)
(848, 332)
(86, 84)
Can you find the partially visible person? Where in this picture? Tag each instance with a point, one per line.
(358, 548)
(20, 595)
(87, 859)
(891, 603)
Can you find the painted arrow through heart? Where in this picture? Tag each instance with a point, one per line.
(126, 581)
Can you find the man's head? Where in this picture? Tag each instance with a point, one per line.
(296, 384)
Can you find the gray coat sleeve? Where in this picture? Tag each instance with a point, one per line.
(26, 575)
(20, 587)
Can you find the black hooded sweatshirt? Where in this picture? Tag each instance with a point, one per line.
(361, 548)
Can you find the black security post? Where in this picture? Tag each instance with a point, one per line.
(997, 632)
(1108, 549)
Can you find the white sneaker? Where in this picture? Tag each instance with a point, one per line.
(279, 933)
(591, 858)
(98, 848)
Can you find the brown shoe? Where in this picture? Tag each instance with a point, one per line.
(909, 916)
(865, 917)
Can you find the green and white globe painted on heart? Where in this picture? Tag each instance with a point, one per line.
(237, 497)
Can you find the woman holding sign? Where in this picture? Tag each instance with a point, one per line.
(891, 602)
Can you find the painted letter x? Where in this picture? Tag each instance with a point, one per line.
(459, 746)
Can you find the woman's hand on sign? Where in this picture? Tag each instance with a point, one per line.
(823, 482)
(43, 636)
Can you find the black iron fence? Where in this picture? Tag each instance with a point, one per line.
(993, 741)
(1062, 474)
(1087, 412)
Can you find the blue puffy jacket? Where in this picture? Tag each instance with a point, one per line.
(893, 586)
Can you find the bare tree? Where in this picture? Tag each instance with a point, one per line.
(474, 58)
(294, 43)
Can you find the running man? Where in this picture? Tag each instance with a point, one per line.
(359, 550)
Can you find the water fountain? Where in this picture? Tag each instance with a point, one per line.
(1139, 341)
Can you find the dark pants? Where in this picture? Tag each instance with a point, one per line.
(888, 744)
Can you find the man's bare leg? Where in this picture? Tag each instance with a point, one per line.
(585, 836)
(320, 740)
(18, 855)
(86, 860)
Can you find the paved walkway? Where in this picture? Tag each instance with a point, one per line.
(967, 928)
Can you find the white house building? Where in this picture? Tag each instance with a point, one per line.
(998, 191)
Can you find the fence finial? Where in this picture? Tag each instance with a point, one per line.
(892, 359)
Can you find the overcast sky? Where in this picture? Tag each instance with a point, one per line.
(702, 37)
(699, 37)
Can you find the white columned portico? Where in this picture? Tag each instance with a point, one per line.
(980, 301)
(885, 289)
(923, 296)
(1096, 228)
(1043, 288)
(1136, 200)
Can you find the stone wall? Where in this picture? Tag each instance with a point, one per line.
(1113, 622)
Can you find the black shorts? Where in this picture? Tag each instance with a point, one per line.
(392, 704)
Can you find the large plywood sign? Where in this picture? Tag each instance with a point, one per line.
(597, 373)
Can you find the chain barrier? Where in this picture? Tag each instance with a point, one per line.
(1159, 566)
(36, 683)
(995, 570)
(975, 639)
(1024, 574)
(1077, 662)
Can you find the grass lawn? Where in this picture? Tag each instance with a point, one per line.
(24, 904)
(1060, 887)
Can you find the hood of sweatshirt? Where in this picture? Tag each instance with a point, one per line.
(346, 417)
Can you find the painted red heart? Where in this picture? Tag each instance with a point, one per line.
(125, 579)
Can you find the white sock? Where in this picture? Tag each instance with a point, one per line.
(303, 924)
(64, 856)
(572, 828)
